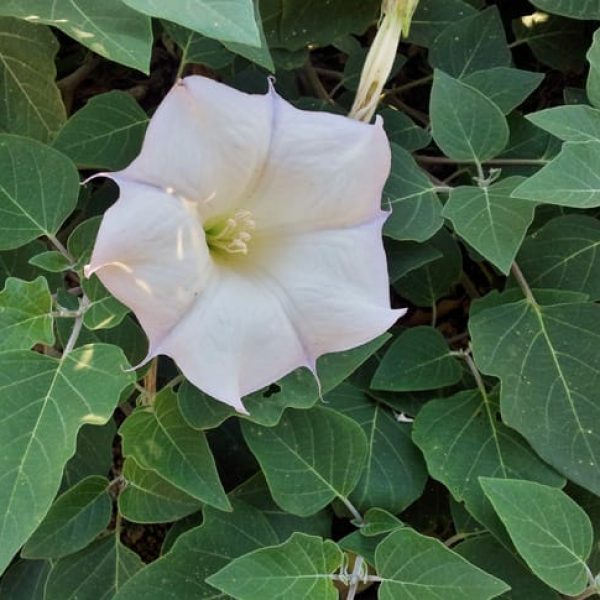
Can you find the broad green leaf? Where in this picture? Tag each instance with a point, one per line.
(571, 123)
(16, 263)
(433, 16)
(299, 568)
(394, 474)
(94, 454)
(299, 389)
(591, 504)
(576, 9)
(52, 261)
(38, 190)
(200, 552)
(402, 130)
(73, 521)
(490, 220)
(106, 133)
(571, 179)
(25, 317)
(404, 257)
(39, 426)
(378, 521)
(555, 41)
(416, 209)
(224, 20)
(466, 125)
(551, 533)
(506, 87)
(309, 458)
(198, 49)
(562, 255)
(96, 573)
(255, 492)
(418, 359)
(425, 285)
(295, 24)
(148, 498)
(415, 567)
(593, 81)
(103, 310)
(472, 44)
(159, 439)
(31, 103)
(486, 553)
(462, 438)
(108, 28)
(25, 580)
(548, 360)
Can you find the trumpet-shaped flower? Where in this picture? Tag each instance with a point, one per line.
(247, 236)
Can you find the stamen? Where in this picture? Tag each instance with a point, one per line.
(231, 234)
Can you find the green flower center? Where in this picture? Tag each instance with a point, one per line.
(230, 234)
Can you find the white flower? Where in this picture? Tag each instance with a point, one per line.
(247, 236)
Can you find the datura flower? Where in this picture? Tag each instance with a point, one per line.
(247, 236)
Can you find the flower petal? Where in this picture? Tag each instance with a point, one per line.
(207, 141)
(335, 284)
(236, 339)
(323, 171)
(152, 255)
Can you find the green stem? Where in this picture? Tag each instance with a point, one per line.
(353, 511)
(444, 160)
(520, 278)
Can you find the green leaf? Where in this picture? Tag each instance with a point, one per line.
(106, 133)
(571, 179)
(433, 16)
(148, 498)
(361, 545)
(555, 41)
(224, 20)
(506, 87)
(31, 104)
(404, 257)
(486, 553)
(94, 455)
(51, 261)
(490, 220)
(25, 580)
(108, 28)
(16, 263)
(378, 521)
(571, 123)
(425, 285)
(472, 44)
(548, 360)
(462, 438)
(25, 317)
(106, 565)
(593, 81)
(549, 530)
(466, 125)
(198, 49)
(297, 569)
(401, 130)
(576, 9)
(309, 458)
(299, 389)
(419, 359)
(562, 255)
(159, 439)
(415, 567)
(416, 209)
(39, 425)
(103, 310)
(38, 190)
(394, 474)
(74, 520)
(200, 552)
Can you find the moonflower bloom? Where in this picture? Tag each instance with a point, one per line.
(247, 236)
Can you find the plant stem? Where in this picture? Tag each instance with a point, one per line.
(353, 510)
(476, 374)
(60, 247)
(355, 577)
(316, 84)
(409, 85)
(593, 591)
(83, 304)
(518, 274)
(459, 537)
(444, 160)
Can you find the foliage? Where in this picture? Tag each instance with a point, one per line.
(457, 457)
